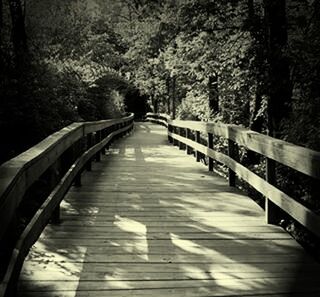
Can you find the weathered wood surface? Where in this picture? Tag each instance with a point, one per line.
(271, 148)
(19, 173)
(150, 221)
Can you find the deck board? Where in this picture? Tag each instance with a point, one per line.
(150, 221)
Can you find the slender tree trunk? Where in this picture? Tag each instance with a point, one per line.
(168, 96)
(174, 97)
(19, 37)
(255, 29)
(213, 93)
(1, 21)
(280, 89)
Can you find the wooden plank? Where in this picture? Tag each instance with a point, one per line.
(171, 288)
(151, 267)
(44, 275)
(188, 292)
(67, 247)
(176, 259)
(234, 243)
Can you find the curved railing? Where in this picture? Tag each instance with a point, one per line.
(274, 150)
(58, 161)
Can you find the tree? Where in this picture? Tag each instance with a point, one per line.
(280, 87)
(19, 38)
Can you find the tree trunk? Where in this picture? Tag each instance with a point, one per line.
(19, 37)
(174, 97)
(280, 88)
(255, 28)
(213, 93)
(1, 20)
(168, 96)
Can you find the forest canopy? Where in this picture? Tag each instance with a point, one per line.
(253, 63)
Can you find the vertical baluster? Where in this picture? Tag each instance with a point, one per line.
(55, 173)
(188, 133)
(210, 145)
(89, 145)
(169, 131)
(272, 211)
(198, 154)
(98, 139)
(232, 154)
(175, 141)
(180, 130)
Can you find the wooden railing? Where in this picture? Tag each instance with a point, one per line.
(58, 162)
(274, 150)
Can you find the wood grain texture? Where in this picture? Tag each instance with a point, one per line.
(150, 221)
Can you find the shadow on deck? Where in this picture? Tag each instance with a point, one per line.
(150, 221)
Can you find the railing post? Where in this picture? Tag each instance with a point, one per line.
(103, 136)
(198, 156)
(55, 218)
(120, 127)
(180, 142)
(98, 139)
(175, 142)
(210, 146)
(189, 149)
(169, 131)
(55, 175)
(89, 144)
(232, 154)
(272, 211)
(108, 131)
(78, 151)
(77, 180)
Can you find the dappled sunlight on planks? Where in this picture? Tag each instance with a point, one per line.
(149, 221)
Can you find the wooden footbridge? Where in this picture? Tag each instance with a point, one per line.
(142, 218)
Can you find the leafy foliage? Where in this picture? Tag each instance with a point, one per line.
(70, 71)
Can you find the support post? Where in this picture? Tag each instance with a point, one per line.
(210, 145)
(89, 145)
(272, 211)
(98, 139)
(55, 218)
(198, 157)
(232, 154)
(169, 131)
(174, 130)
(108, 131)
(103, 136)
(77, 180)
(188, 133)
(180, 142)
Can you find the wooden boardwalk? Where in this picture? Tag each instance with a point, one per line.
(150, 221)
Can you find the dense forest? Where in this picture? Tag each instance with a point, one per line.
(254, 63)
(249, 62)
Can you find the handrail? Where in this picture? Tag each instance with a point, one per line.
(19, 174)
(299, 158)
